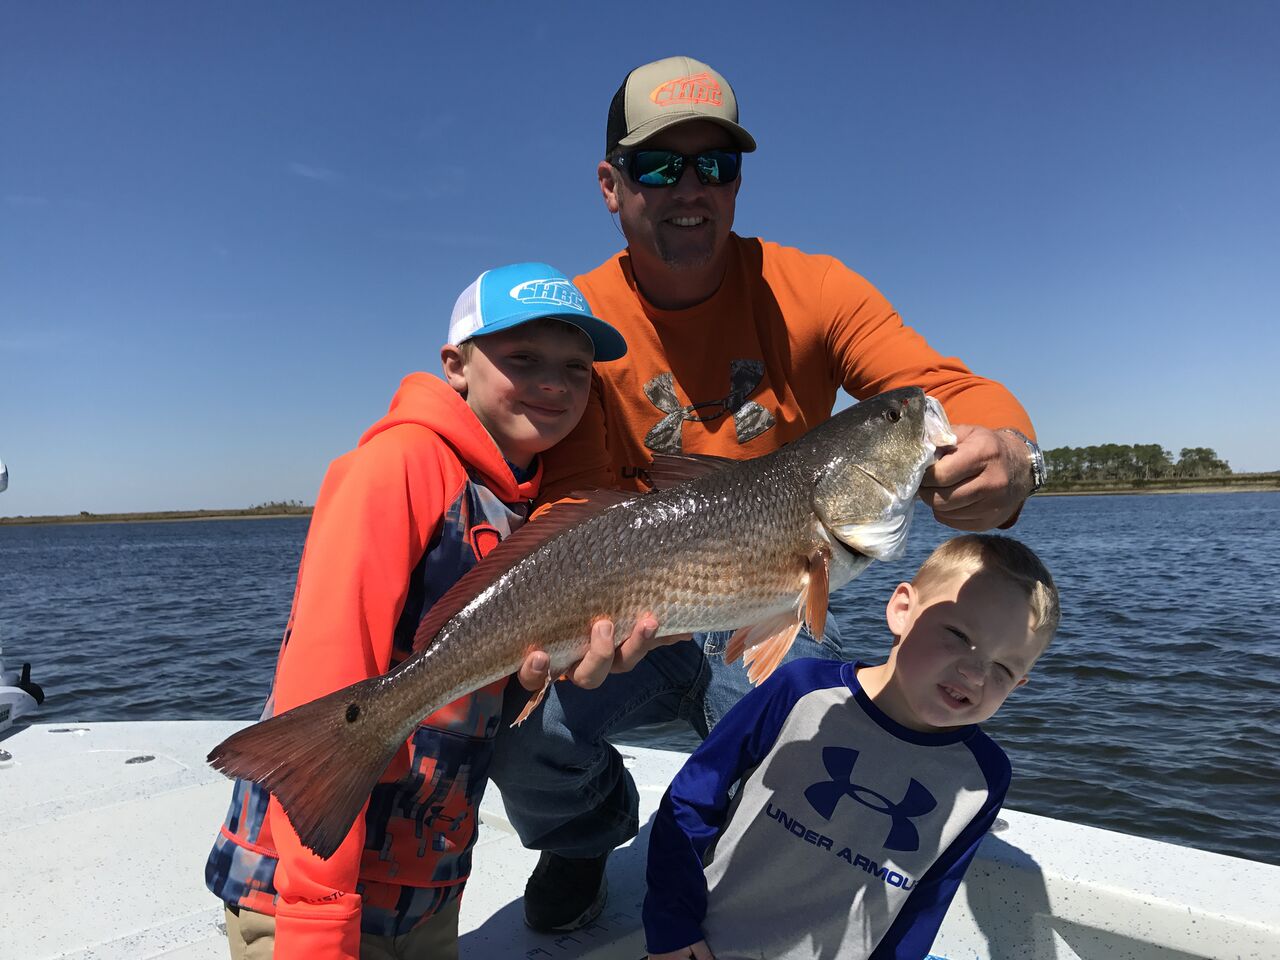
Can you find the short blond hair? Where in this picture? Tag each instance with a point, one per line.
(1009, 558)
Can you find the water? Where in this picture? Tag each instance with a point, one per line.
(1155, 712)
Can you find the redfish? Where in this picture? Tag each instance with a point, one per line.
(752, 545)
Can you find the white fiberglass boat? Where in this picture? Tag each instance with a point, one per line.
(104, 829)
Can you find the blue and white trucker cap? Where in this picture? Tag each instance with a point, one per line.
(506, 297)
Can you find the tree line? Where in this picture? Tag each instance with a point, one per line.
(1137, 461)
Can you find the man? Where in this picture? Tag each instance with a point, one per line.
(735, 347)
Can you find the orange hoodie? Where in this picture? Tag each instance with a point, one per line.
(397, 521)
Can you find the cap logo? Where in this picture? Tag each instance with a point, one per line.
(700, 88)
(552, 292)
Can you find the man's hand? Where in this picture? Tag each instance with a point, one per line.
(698, 951)
(980, 482)
(601, 658)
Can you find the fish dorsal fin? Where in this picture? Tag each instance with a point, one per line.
(669, 469)
(546, 522)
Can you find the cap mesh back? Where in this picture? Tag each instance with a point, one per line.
(466, 318)
(616, 126)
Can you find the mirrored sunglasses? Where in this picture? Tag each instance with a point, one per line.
(664, 168)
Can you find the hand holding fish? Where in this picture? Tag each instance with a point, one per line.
(980, 482)
(696, 951)
(601, 658)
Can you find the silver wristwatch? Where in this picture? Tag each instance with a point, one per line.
(1035, 456)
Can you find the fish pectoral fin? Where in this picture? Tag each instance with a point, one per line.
(819, 590)
(763, 645)
(762, 659)
(534, 700)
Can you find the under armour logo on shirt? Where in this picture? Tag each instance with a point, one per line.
(825, 794)
(749, 418)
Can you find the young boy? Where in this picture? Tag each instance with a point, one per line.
(429, 490)
(864, 790)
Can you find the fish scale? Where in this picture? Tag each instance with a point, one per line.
(707, 578)
(739, 544)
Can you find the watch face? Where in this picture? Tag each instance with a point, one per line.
(1035, 456)
(1037, 466)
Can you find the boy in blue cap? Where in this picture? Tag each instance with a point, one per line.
(428, 491)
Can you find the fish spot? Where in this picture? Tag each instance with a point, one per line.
(353, 712)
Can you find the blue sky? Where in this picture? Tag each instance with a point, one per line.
(228, 229)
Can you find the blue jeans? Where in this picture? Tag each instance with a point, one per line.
(564, 785)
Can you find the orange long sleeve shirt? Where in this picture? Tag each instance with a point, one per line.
(752, 368)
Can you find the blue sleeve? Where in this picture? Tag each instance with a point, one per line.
(916, 926)
(694, 807)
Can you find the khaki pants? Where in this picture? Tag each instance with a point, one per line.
(251, 936)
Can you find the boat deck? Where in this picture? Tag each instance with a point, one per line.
(106, 826)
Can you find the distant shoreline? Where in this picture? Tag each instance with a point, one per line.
(1238, 483)
(163, 516)
(1235, 483)
(1135, 491)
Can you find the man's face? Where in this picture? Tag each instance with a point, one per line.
(685, 226)
(965, 643)
(527, 385)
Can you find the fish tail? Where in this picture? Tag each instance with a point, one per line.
(321, 760)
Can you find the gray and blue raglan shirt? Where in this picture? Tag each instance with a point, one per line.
(847, 836)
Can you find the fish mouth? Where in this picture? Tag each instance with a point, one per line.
(937, 428)
(937, 434)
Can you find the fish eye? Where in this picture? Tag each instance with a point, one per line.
(893, 415)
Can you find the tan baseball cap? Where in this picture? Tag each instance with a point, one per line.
(661, 94)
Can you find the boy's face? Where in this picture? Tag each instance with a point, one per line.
(965, 642)
(528, 385)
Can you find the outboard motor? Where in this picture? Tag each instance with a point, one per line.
(19, 695)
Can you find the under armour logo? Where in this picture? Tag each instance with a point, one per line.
(749, 418)
(824, 795)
